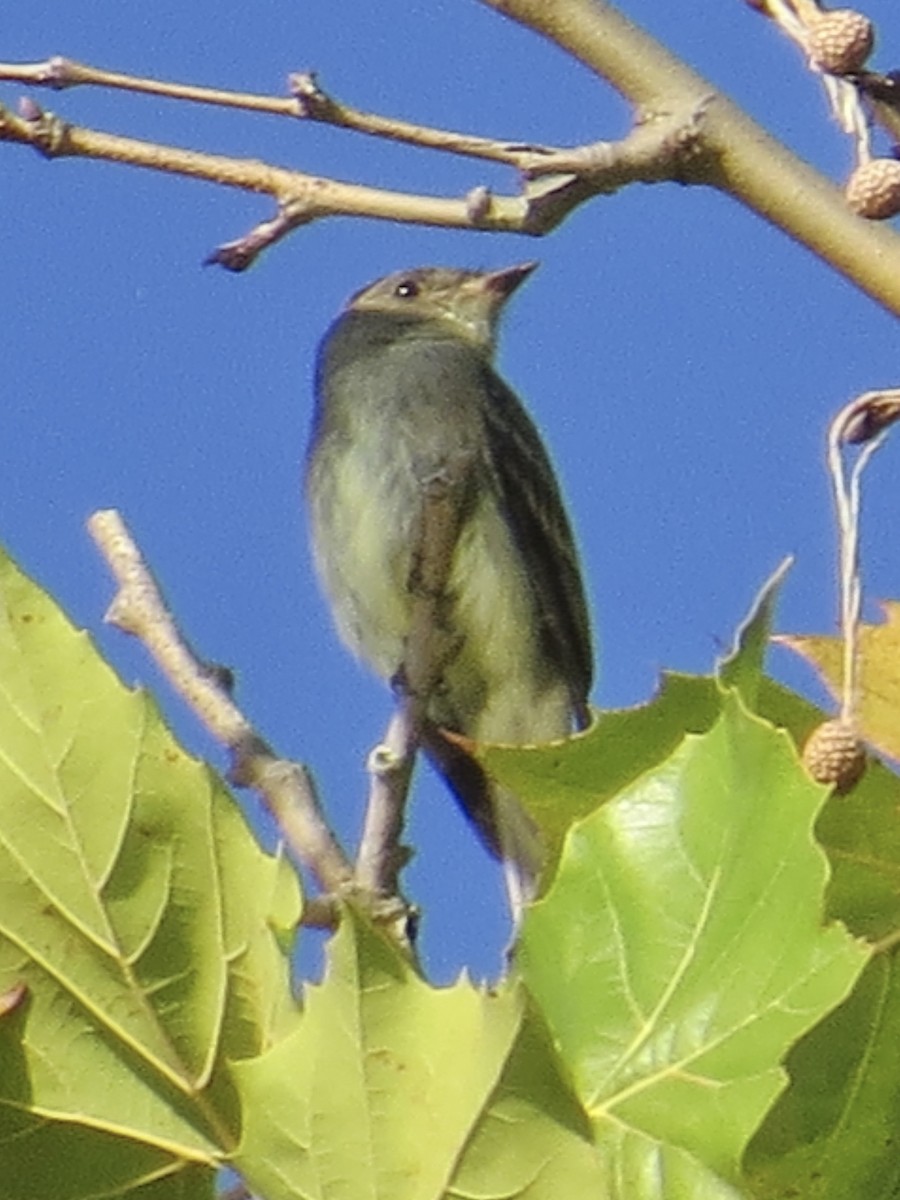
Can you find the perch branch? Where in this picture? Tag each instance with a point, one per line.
(286, 788)
(381, 855)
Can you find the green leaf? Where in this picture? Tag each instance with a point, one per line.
(742, 669)
(376, 1092)
(138, 912)
(861, 835)
(834, 1133)
(859, 832)
(534, 1140)
(680, 953)
(564, 781)
(831, 1135)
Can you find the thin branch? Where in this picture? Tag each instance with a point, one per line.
(316, 105)
(318, 196)
(307, 101)
(286, 788)
(301, 198)
(730, 152)
(381, 855)
(668, 148)
(653, 151)
(245, 250)
(61, 73)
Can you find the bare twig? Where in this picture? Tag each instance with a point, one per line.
(381, 856)
(320, 197)
(729, 152)
(669, 147)
(60, 73)
(243, 251)
(307, 102)
(646, 157)
(655, 150)
(316, 105)
(286, 788)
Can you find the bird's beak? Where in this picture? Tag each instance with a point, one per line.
(503, 283)
(478, 301)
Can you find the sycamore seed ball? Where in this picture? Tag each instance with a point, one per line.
(840, 41)
(873, 190)
(835, 754)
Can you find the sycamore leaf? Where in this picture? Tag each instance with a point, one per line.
(534, 1141)
(878, 715)
(834, 1133)
(859, 832)
(378, 1089)
(742, 668)
(680, 953)
(564, 781)
(673, 965)
(139, 916)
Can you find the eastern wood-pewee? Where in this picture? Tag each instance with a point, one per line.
(404, 386)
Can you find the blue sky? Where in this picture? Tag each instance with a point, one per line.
(681, 357)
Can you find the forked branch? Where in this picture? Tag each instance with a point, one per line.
(684, 131)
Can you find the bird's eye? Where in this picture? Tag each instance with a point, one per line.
(406, 289)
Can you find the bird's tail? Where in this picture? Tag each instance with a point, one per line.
(501, 822)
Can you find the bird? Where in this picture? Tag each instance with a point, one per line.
(406, 391)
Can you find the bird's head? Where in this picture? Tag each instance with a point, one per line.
(464, 303)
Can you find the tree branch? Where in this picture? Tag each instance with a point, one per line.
(307, 102)
(286, 788)
(740, 158)
(559, 179)
(725, 150)
(314, 195)
(60, 73)
(316, 105)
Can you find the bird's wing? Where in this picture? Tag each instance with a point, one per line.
(533, 508)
